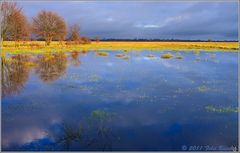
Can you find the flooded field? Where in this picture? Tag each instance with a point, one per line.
(116, 100)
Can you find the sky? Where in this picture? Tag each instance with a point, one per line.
(189, 20)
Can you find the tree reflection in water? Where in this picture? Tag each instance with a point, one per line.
(15, 73)
(15, 69)
(100, 123)
(75, 58)
(93, 134)
(50, 67)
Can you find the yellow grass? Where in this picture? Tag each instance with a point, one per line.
(121, 55)
(39, 46)
(102, 53)
(167, 56)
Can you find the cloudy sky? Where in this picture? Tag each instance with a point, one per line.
(156, 19)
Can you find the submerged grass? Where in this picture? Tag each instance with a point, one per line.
(202, 88)
(222, 109)
(150, 56)
(179, 57)
(126, 58)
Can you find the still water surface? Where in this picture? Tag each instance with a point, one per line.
(82, 101)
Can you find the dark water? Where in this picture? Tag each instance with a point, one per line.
(81, 101)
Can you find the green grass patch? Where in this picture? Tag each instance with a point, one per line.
(179, 57)
(202, 89)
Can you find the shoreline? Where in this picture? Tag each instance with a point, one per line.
(39, 46)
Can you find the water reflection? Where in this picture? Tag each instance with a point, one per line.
(101, 125)
(68, 134)
(98, 103)
(14, 74)
(50, 67)
(75, 58)
(94, 132)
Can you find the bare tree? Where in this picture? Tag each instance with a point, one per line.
(18, 27)
(61, 36)
(75, 29)
(97, 39)
(49, 25)
(6, 10)
(84, 40)
(14, 24)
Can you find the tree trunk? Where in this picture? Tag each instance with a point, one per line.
(1, 43)
(48, 41)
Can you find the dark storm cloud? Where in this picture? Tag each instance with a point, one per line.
(164, 20)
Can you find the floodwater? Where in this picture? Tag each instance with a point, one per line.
(138, 102)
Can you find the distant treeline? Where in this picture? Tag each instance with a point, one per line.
(167, 40)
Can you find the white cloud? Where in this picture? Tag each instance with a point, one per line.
(109, 19)
(151, 26)
(23, 136)
(167, 21)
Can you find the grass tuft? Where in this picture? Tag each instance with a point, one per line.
(102, 53)
(167, 56)
(150, 56)
(202, 89)
(179, 57)
(120, 55)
